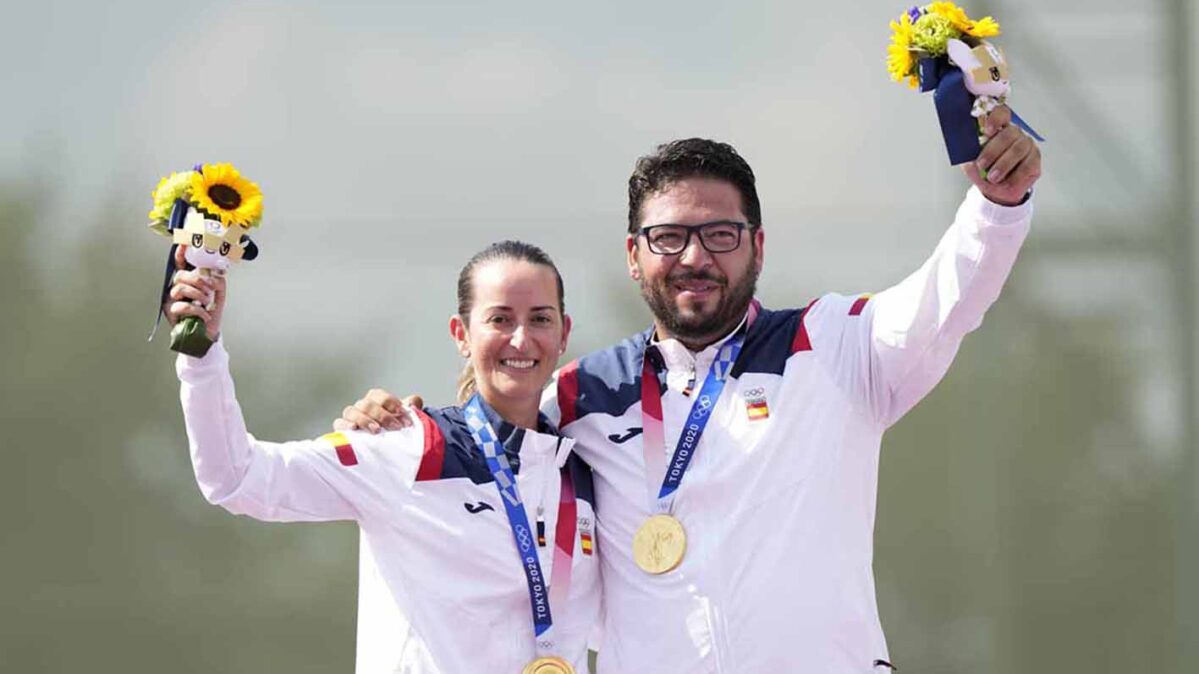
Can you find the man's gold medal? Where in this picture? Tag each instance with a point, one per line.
(549, 665)
(659, 544)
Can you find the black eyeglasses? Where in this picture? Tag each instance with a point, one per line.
(721, 236)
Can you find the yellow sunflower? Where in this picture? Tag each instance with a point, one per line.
(169, 189)
(956, 15)
(985, 27)
(220, 190)
(900, 61)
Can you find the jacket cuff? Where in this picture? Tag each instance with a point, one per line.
(998, 214)
(216, 358)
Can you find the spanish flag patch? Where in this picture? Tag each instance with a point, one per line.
(757, 411)
(860, 304)
(755, 404)
(585, 540)
(345, 451)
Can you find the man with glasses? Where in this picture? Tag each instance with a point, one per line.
(735, 448)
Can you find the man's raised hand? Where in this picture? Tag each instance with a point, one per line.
(1011, 160)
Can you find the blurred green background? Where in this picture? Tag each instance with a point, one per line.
(1036, 513)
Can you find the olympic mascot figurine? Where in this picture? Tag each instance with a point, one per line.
(939, 48)
(208, 210)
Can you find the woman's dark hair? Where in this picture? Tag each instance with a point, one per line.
(517, 251)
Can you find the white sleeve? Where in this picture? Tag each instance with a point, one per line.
(902, 343)
(345, 476)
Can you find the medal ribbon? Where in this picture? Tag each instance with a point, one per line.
(654, 436)
(540, 597)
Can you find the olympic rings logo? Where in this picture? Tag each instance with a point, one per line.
(703, 407)
(754, 392)
(522, 536)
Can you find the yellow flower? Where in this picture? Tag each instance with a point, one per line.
(169, 189)
(900, 61)
(985, 27)
(956, 15)
(218, 189)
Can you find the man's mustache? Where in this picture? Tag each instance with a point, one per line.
(698, 276)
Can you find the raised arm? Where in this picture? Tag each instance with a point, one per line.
(917, 325)
(892, 349)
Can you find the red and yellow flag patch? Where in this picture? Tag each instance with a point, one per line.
(757, 410)
(345, 451)
(585, 539)
(860, 304)
(755, 404)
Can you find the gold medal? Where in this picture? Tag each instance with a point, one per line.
(659, 544)
(549, 665)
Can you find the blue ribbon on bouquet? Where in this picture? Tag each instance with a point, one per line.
(954, 103)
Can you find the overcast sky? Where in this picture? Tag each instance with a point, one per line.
(392, 140)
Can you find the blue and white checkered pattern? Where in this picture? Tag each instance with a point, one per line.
(497, 461)
(726, 357)
(505, 481)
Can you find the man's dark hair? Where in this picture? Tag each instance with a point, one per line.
(692, 158)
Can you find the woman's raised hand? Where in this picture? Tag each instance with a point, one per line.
(196, 294)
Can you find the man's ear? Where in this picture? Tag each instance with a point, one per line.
(630, 245)
(460, 334)
(759, 248)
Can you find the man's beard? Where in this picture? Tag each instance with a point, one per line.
(706, 328)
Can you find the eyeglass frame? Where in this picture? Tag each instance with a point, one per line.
(696, 230)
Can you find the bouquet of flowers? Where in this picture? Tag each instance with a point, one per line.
(208, 210)
(939, 48)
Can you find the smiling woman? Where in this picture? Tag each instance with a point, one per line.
(511, 325)
(442, 503)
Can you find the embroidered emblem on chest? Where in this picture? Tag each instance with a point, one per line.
(755, 404)
(585, 539)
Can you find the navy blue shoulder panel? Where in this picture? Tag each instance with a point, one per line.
(461, 457)
(769, 342)
(580, 474)
(609, 381)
